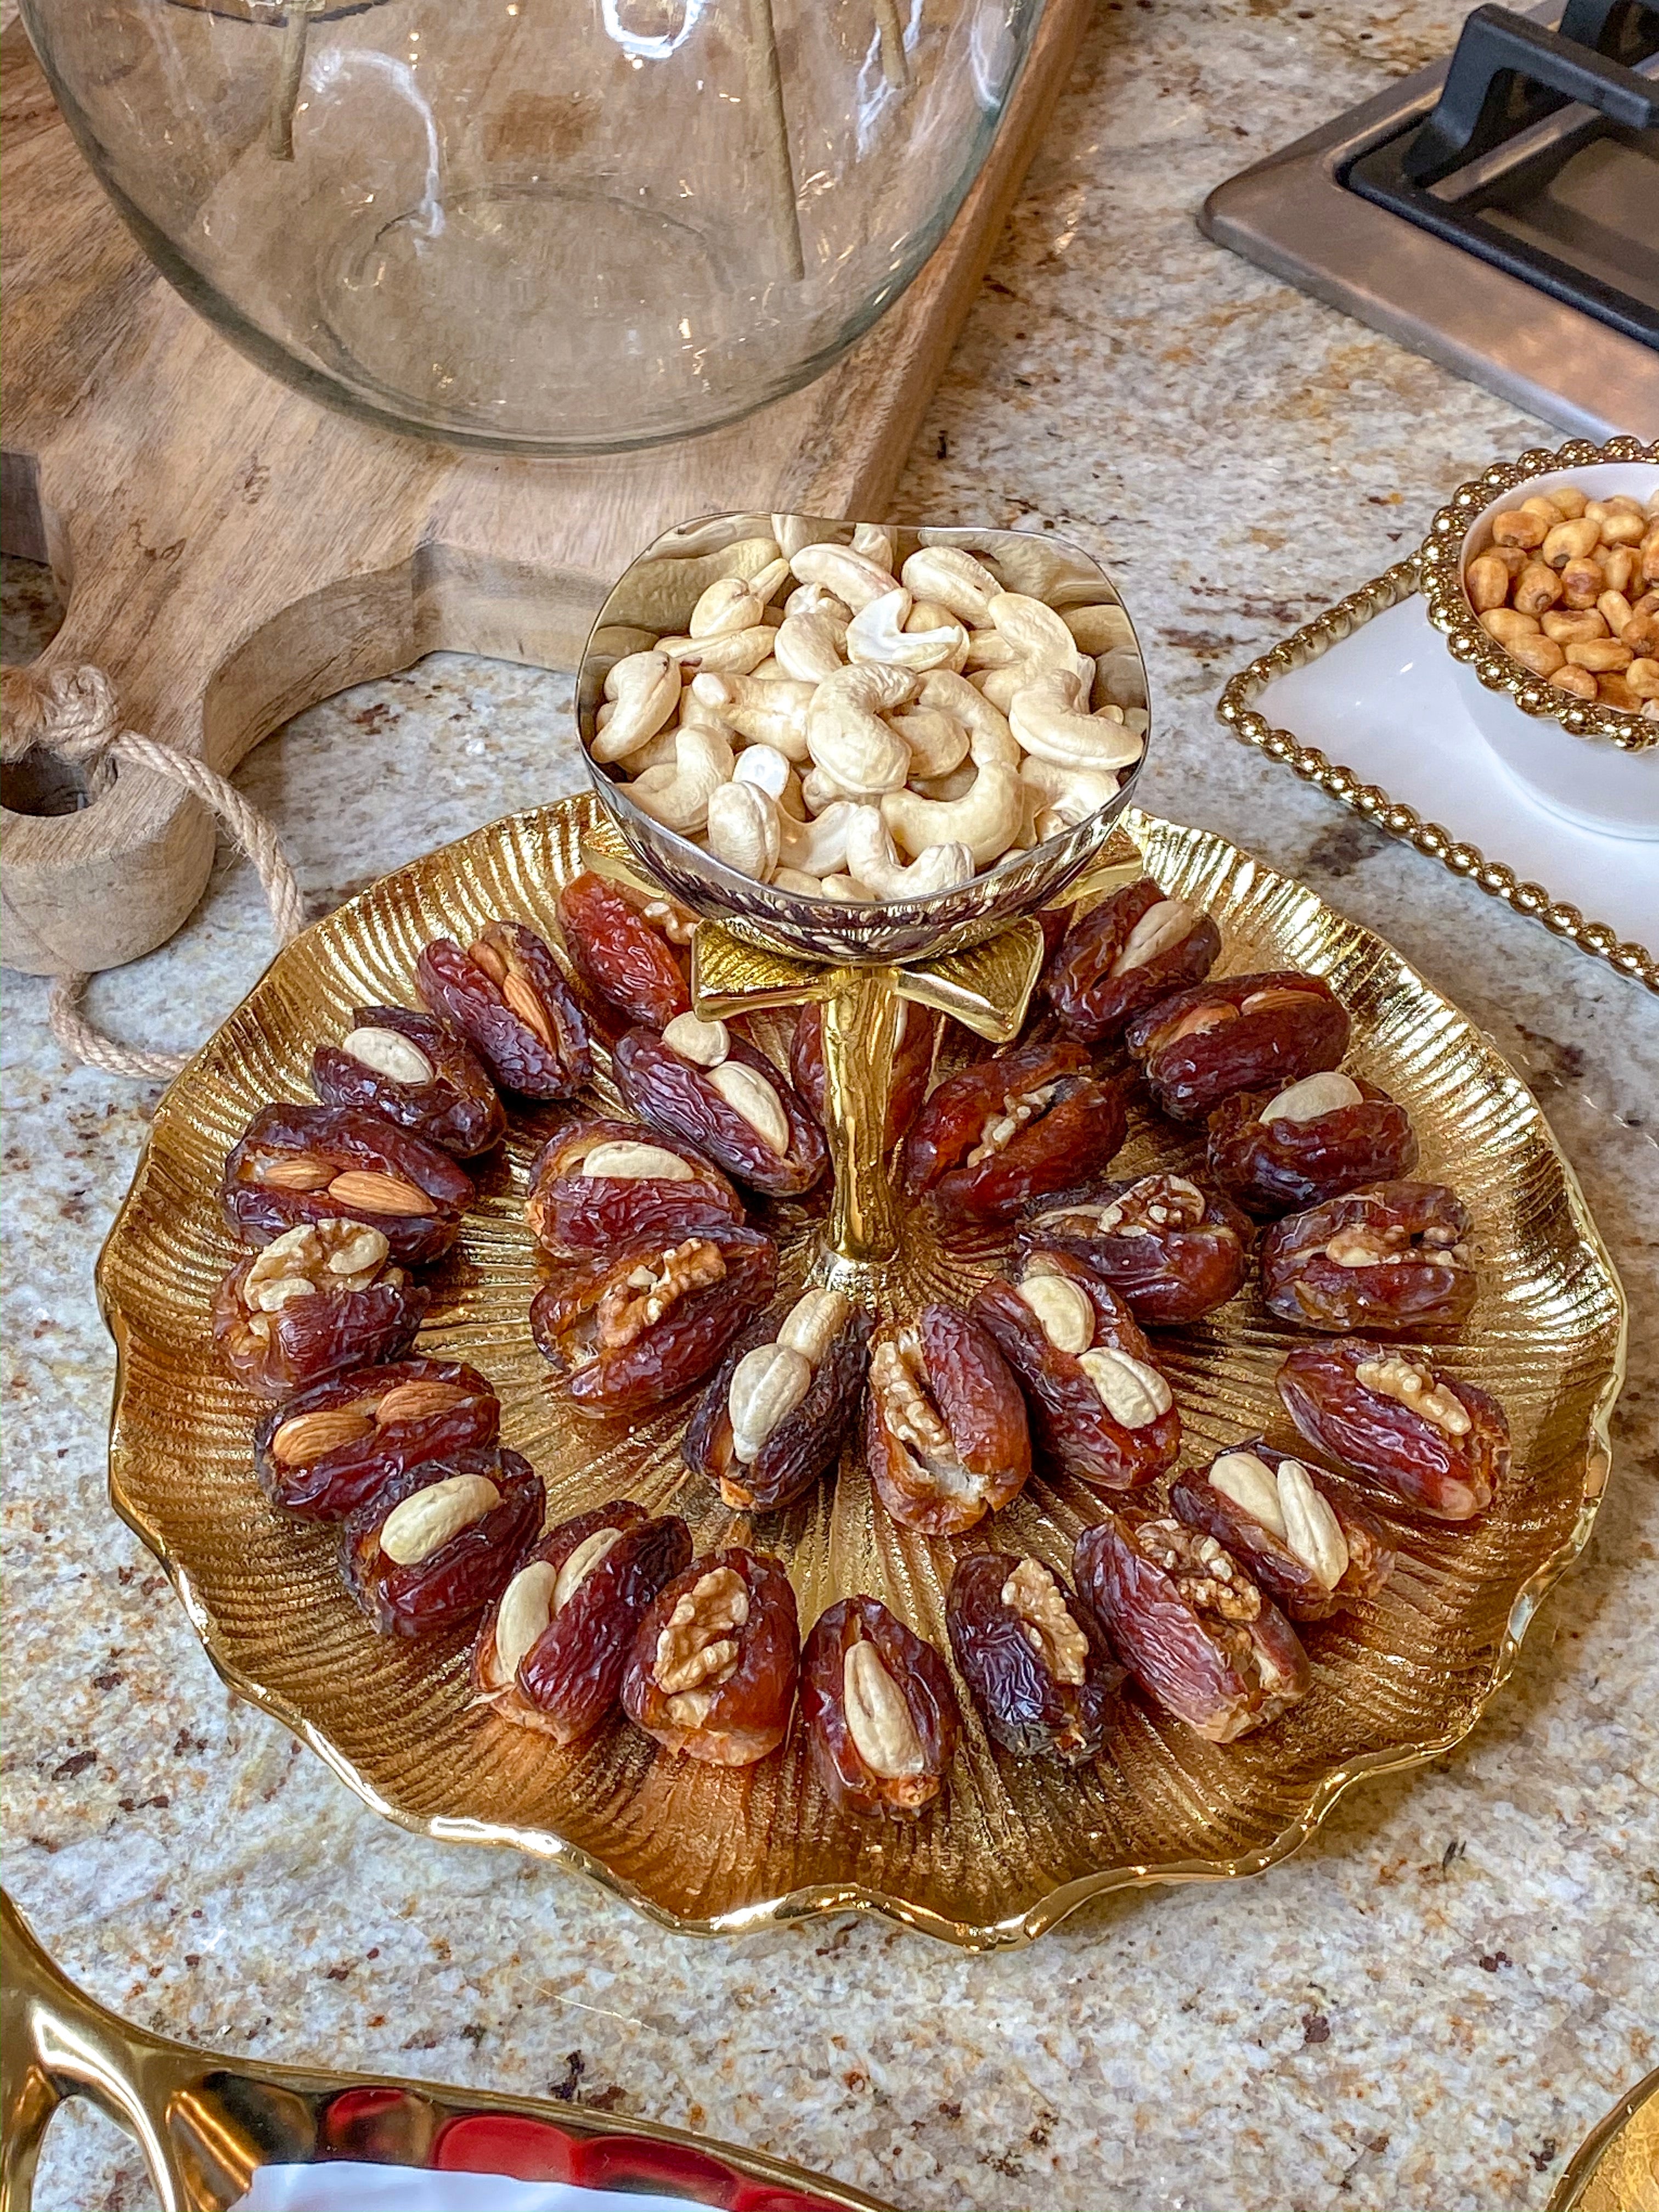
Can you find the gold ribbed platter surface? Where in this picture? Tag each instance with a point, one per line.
(1018, 1845)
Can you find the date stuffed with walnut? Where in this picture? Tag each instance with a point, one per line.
(699, 1081)
(913, 1063)
(1035, 1663)
(1425, 1437)
(775, 1413)
(551, 1655)
(1312, 1552)
(630, 950)
(317, 1299)
(600, 1184)
(1314, 1140)
(417, 1072)
(330, 1450)
(626, 1330)
(299, 1164)
(507, 996)
(880, 1713)
(438, 1542)
(1171, 1250)
(1099, 1404)
(945, 1432)
(1236, 1033)
(1190, 1625)
(1393, 1257)
(1126, 954)
(712, 1672)
(1009, 1130)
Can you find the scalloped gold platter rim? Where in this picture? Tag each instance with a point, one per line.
(250, 1580)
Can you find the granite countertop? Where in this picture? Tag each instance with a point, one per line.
(1425, 2010)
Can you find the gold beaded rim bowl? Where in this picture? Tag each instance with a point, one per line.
(653, 598)
(1017, 1846)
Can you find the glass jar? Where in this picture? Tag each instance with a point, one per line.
(541, 225)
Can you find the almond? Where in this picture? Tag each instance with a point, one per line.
(522, 999)
(378, 1194)
(310, 1436)
(293, 1172)
(420, 1401)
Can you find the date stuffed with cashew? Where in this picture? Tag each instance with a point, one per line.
(1394, 1257)
(438, 1542)
(505, 994)
(1311, 1141)
(1100, 1407)
(631, 950)
(1009, 1130)
(598, 1185)
(1310, 1549)
(1170, 1250)
(880, 1713)
(712, 1672)
(774, 1417)
(945, 1431)
(330, 1450)
(299, 1165)
(417, 1072)
(1236, 1033)
(700, 1082)
(626, 1331)
(317, 1299)
(913, 1063)
(1036, 1665)
(551, 1655)
(1190, 1625)
(1123, 956)
(1425, 1437)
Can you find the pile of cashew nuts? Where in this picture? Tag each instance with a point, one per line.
(874, 736)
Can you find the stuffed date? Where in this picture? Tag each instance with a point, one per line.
(1394, 1257)
(299, 1164)
(913, 1063)
(550, 1655)
(629, 950)
(1310, 1141)
(1036, 1665)
(945, 1432)
(625, 1330)
(880, 1713)
(1309, 1550)
(505, 994)
(317, 1299)
(699, 1081)
(1429, 1439)
(1124, 954)
(600, 1184)
(712, 1672)
(1171, 1250)
(1189, 1623)
(1010, 1130)
(780, 1403)
(438, 1542)
(329, 1450)
(416, 1070)
(1236, 1033)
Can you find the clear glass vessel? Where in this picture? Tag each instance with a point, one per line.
(541, 225)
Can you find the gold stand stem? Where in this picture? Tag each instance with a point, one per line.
(861, 1035)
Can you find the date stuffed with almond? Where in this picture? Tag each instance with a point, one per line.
(1126, 954)
(1190, 1625)
(773, 1418)
(1427, 1438)
(625, 1331)
(505, 994)
(913, 1063)
(945, 1431)
(1100, 1405)
(295, 1165)
(1309, 1549)
(712, 1672)
(1394, 1257)
(438, 1542)
(699, 1081)
(1318, 1138)
(600, 1184)
(1236, 1033)
(318, 1299)
(1009, 1130)
(631, 952)
(880, 1713)
(1035, 1663)
(1170, 1250)
(331, 1449)
(417, 1072)
(551, 1655)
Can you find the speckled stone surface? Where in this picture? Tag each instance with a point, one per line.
(1428, 2008)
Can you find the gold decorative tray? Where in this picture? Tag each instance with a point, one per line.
(706, 1849)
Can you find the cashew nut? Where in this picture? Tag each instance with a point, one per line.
(768, 768)
(818, 599)
(846, 890)
(846, 737)
(1047, 718)
(989, 648)
(999, 685)
(952, 785)
(1035, 565)
(1100, 628)
(876, 633)
(872, 861)
(818, 790)
(955, 580)
(728, 605)
(809, 646)
(1119, 679)
(875, 540)
(955, 694)
(679, 796)
(735, 653)
(744, 828)
(767, 714)
(937, 740)
(818, 847)
(1038, 635)
(986, 818)
(643, 688)
(852, 577)
(1064, 796)
(797, 883)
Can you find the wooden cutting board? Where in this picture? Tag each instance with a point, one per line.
(231, 553)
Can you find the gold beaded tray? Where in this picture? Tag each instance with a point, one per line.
(1018, 1845)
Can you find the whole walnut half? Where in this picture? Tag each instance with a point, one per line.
(1123, 956)
(1236, 1033)
(318, 1299)
(712, 1672)
(880, 1713)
